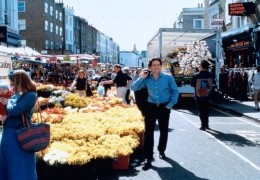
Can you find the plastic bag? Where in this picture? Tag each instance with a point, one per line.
(101, 90)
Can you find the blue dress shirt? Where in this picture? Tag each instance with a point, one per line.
(160, 91)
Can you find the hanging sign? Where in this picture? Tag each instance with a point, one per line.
(241, 8)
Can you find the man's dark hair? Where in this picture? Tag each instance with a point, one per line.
(117, 66)
(154, 59)
(204, 64)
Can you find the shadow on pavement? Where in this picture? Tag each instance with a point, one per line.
(175, 172)
(232, 139)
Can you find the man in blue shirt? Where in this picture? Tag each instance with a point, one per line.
(162, 95)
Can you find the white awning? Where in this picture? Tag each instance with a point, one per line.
(167, 39)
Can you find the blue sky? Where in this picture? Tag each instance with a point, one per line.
(130, 22)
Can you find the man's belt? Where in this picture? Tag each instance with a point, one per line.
(158, 105)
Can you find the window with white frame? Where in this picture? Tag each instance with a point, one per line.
(46, 25)
(57, 30)
(46, 44)
(52, 45)
(51, 27)
(61, 31)
(46, 7)
(21, 6)
(56, 14)
(198, 23)
(60, 16)
(51, 10)
(22, 24)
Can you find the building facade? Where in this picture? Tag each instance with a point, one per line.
(128, 58)
(45, 31)
(68, 42)
(9, 30)
(190, 18)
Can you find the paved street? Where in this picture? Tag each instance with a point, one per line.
(230, 150)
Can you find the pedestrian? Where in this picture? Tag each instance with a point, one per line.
(121, 80)
(223, 81)
(141, 95)
(162, 95)
(81, 84)
(104, 77)
(15, 163)
(203, 82)
(127, 95)
(254, 79)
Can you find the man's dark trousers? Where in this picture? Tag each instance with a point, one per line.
(203, 107)
(163, 115)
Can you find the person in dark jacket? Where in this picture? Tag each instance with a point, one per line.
(203, 82)
(104, 77)
(121, 81)
(82, 86)
(141, 96)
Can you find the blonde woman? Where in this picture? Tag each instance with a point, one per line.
(80, 83)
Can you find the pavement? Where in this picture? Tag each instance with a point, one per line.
(244, 108)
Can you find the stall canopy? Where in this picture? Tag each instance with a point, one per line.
(71, 58)
(21, 51)
(167, 39)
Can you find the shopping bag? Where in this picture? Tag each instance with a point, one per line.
(33, 137)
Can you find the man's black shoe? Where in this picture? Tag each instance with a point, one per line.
(202, 128)
(147, 165)
(162, 156)
(208, 128)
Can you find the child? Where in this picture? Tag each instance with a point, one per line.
(4, 93)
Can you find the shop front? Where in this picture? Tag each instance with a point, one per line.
(238, 46)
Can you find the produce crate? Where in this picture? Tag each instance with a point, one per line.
(121, 162)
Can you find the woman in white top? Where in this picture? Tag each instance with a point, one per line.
(254, 79)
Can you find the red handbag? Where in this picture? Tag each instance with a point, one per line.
(33, 137)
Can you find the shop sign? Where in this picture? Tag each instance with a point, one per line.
(217, 22)
(241, 8)
(5, 67)
(240, 44)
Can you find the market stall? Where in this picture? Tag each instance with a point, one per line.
(88, 130)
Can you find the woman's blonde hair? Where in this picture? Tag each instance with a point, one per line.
(21, 81)
(82, 72)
